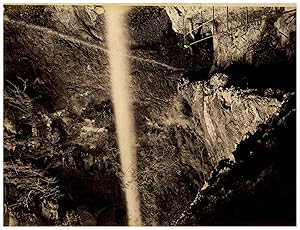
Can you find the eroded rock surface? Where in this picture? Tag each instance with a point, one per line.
(59, 119)
(221, 116)
(258, 184)
(204, 127)
(76, 61)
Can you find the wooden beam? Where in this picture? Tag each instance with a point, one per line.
(193, 43)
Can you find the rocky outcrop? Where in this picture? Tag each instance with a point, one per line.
(260, 189)
(204, 127)
(240, 30)
(74, 67)
(59, 120)
(221, 116)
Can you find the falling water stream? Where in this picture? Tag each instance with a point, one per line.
(123, 109)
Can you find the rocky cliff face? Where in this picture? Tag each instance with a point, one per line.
(205, 125)
(59, 122)
(239, 31)
(254, 190)
(221, 116)
(68, 39)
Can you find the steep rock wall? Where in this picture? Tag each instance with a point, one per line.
(239, 32)
(221, 116)
(262, 183)
(61, 51)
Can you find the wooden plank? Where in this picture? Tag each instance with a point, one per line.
(203, 39)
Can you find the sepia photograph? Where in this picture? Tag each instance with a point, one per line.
(149, 114)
